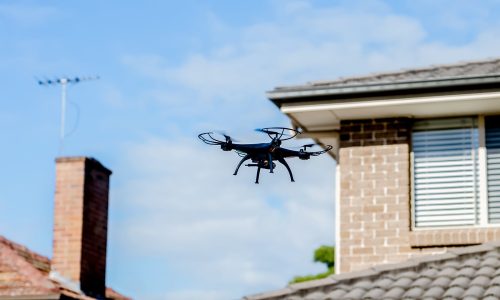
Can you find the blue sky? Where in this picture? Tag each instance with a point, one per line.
(181, 226)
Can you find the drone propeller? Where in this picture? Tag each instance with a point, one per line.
(211, 138)
(304, 147)
(279, 132)
(226, 136)
(208, 138)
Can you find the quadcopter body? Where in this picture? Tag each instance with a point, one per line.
(264, 155)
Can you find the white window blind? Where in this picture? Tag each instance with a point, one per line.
(445, 172)
(492, 134)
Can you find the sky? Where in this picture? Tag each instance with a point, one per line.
(181, 226)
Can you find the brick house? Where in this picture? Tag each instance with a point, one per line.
(77, 269)
(418, 159)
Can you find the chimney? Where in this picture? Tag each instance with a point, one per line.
(81, 223)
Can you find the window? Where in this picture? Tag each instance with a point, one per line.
(456, 172)
(492, 141)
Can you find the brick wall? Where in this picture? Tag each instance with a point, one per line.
(80, 222)
(375, 193)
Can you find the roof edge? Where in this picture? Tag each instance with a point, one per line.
(409, 264)
(297, 93)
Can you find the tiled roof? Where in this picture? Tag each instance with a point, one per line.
(468, 273)
(26, 273)
(438, 72)
(23, 272)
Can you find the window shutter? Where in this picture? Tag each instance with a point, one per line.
(445, 177)
(492, 132)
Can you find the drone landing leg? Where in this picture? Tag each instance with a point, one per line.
(283, 161)
(258, 174)
(270, 159)
(247, 157)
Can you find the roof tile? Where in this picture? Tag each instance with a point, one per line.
(441, 281)
(429, 272)
(451, 264)
(414, 293)
(491, 261)
(336, 294)
(472, 262)
(422, 282)
(434, 292)
(394, 293)
(408, 274)
(474, 291)
(486, 271)
(481, 280)
(495, 280)
(492, 291)
(455, 292)
(355, 293)
(364, 284)
(315, 296)
(403, 282)
(493, 253)
(384, 283)
(460, 281)
(447, 272)
(375, 293)
(491, 297)
(467, 271)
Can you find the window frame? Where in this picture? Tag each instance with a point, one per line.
(481, 153)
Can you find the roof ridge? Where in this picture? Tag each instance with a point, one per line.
(404, 71)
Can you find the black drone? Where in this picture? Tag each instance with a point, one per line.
(263, 155)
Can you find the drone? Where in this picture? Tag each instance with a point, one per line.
(264, 155)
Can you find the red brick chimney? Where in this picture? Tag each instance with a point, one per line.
(81, 223)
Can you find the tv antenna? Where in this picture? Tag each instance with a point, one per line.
(64, 81)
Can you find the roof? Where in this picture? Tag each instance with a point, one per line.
(26, 273)
(462, 273)
(437, 76)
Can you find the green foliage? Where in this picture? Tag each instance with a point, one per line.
(323, 254)
(298, 279)
(326, 255)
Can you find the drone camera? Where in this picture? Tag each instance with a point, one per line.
(225, 147)
(304, 156)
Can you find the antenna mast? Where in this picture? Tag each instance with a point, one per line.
(63, 81)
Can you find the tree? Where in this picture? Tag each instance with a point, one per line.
(324, 254)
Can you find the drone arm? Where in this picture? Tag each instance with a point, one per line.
(245, 158)
(316, 153)
(283, 161)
